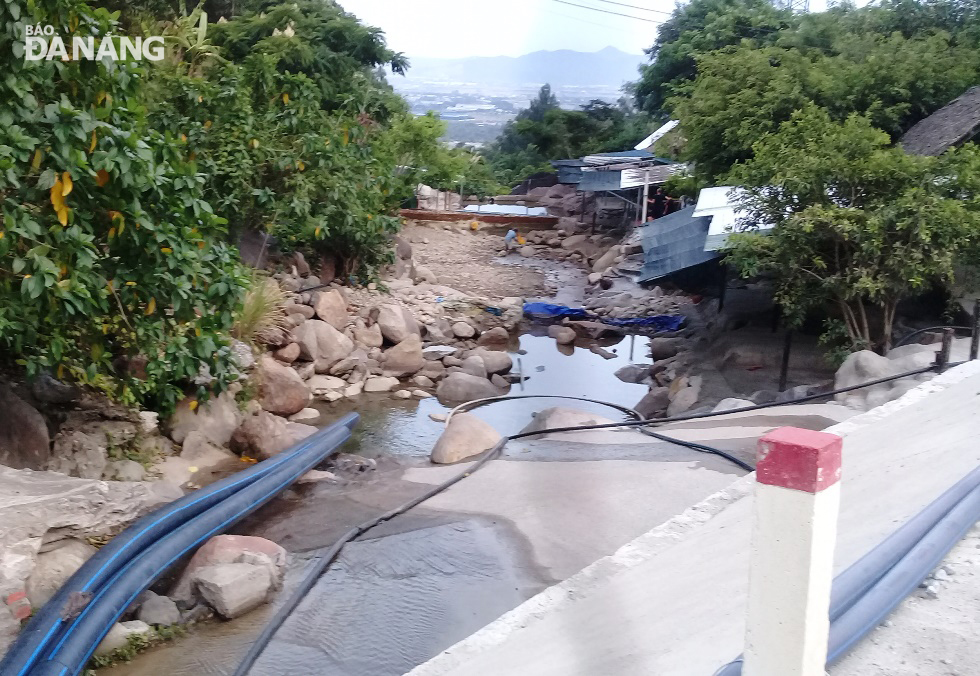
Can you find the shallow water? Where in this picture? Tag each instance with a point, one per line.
(403, 427)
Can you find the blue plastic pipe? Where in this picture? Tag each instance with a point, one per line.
(48, 621)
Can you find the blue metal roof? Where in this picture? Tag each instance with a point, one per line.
(673, 243)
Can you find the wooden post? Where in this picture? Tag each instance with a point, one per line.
(646, 194)
(797, 497)
(975, 336)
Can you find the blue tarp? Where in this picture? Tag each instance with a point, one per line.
(550, 311)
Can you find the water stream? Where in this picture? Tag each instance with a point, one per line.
(403, 428)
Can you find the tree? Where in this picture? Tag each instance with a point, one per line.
(696, 28)
(856, 223)
(113, 269)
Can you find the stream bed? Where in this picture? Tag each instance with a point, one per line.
(402, 428)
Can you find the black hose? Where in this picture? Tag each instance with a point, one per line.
(48, 621)
(902, 341)
(82, 636)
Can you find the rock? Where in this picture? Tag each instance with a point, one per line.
(36, 503)
(423, 381)
(397, 323)
(493, 360)
(320, 385)
(860, 367)
(307, 415)
(433, 370)
(405, 358)
(48, 390)
(474, 366)
(158, 610)
(450, 360)
(281, 391)
(463, 330)
(683, 401)
(422, 274)
(421, 394)
(287, 354)
(215, 418)
(264, 435)
(357, 359)
(499, 381)
(654, 403)
(149, 422)
(24, 440)
(331, 307)
(459, 387)
(464, 436)
(401, 394)
(595, 277)
(605, 261)
(302, 267)
(634, 373)
(574, 241)
(233, 589)
(731, 403)
(328, 269)
(300, 309)
(380, 384)
(54, 567)
(319, 340)
(353, 390)
(527, 251)
(438, 417)
(82, 449)
(562, 334)
(118, 636)
(437, 352)
(229, 549)
(124, 470)
(201, 453)
(663, 348)
(316, 475)
(561, 416)
(496, 337)
(242, 355)
(305, 371)
(369, 336)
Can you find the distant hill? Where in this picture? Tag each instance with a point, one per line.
(609, 67)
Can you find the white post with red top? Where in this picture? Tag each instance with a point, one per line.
(797, 496)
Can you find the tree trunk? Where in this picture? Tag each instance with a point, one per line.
(888, 308)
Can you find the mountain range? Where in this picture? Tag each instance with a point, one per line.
(609, 67)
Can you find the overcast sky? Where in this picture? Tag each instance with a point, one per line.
(456, 28)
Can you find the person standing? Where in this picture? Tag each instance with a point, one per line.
(658, 203)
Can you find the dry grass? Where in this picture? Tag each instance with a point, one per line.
(262, 319)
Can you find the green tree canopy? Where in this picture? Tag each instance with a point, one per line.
(856, 223)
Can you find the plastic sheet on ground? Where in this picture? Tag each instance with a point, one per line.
(552, 311)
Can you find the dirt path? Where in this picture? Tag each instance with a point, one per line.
(467, 261)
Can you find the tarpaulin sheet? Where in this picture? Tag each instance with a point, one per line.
(551, 311)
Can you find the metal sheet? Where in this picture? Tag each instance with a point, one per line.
(673, 243)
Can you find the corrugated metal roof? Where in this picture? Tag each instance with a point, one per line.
(673, 243)
(951, 125)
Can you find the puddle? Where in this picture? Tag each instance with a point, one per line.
(403, 428)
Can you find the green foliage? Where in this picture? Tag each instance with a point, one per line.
(696, 28)
(857, 223)
(543, 131)
(112, 265)
(895, 64)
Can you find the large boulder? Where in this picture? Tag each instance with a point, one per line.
(463, 330)
(281, 390)
(464, 436)
(496, 338)
(654, 403)
(200, 452)
(474, 366)
(331, 307)
(633, 373)
(459, 387)
(54, 567)
(215, 418)
(664, 348)
(606, 260)
(405, 358)
(494, 361)
(82, 449)
(32, 504)
(369, 336)
(233, 589)
(24, 441)
(264, 435)
(397, 323)
(380, 384)
(228, 549)
(305, 336)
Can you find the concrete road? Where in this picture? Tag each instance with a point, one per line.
(673, 600)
